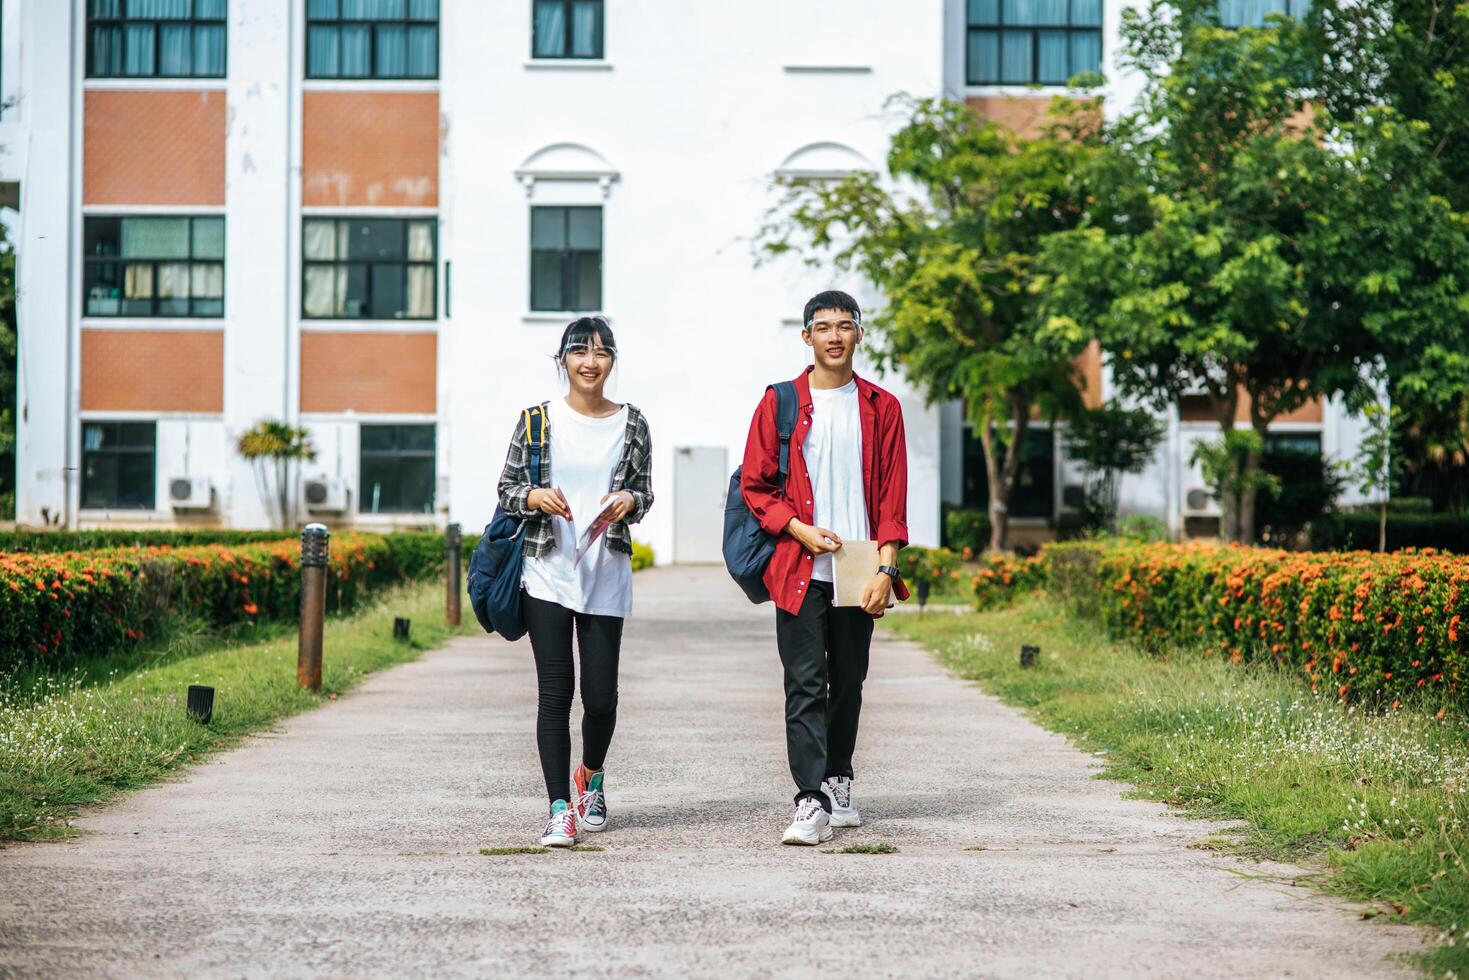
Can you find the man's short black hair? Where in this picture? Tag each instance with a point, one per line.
(832, 299)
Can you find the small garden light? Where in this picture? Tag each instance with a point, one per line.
(201, 703)
(400, 628)
(1029, 653)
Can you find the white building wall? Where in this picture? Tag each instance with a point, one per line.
(47, 107)
(693, 132)
(262, 234)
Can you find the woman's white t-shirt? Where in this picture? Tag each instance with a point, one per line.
(833, 454)
(585, 454)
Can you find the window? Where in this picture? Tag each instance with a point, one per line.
(397, 469)
(118, 462)
(1293, 442)
(567, 29)
(153, 267)
(566, 259)
(369, 268)
(372, 38)
(1026, 42)
(155, 38)
(1252, 13)
(1035, 483)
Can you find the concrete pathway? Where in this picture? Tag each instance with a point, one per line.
(347, 843)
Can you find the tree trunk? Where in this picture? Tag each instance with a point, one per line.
(998, 510)
(1229, 522)
(1382, 524)
(1248, 475)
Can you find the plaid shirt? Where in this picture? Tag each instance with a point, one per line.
(634, 473)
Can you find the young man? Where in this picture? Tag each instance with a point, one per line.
(847, 479)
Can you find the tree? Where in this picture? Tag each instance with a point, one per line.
(1373, 465)
(953, 244)
(275, 449)
(1108, 442)
(1412, 57)
(1274, 261)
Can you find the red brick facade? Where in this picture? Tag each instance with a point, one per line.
(369, 372)
(370, 149)
(154, 147)
(153, 371)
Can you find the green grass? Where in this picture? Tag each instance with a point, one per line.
(878, 848)
(507, 851)
(1375, 802)
(81, 738)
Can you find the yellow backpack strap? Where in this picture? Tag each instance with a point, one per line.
(535, 437)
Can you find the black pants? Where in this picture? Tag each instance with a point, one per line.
(824, 649)
(599, 640)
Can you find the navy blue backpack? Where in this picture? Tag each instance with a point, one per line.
(747, 546)
(494, 570)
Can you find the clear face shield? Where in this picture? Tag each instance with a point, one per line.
(592, 363)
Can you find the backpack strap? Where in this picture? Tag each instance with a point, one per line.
(535, 437)
(785, 424)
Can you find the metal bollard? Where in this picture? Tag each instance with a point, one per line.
(316, 545)
(453, 557)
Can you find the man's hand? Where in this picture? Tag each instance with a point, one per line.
(875, 595)
(549, 500)
(617, 505)
(817, 540)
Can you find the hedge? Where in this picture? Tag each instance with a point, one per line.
(21, 540)
(1357, 530)
(1358, 624)
(57, 608)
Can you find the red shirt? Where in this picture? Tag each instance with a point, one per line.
(884, 483)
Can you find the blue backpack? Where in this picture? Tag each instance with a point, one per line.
(494, 570)
(747, 545)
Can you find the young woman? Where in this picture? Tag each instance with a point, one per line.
(596, 480)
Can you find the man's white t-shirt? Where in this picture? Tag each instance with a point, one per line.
(585, 454)
(833, 454)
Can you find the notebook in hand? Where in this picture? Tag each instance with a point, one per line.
(853, 565)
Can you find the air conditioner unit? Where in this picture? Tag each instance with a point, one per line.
(323, 494)
(1199, 503)
(190, 493)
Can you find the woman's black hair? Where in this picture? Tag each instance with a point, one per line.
(582, 330)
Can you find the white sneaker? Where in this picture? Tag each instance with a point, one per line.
(839, 791)
(811, 826)
(561, 828)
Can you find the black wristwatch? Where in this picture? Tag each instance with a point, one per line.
(889, 570)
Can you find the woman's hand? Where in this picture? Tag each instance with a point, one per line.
(617, 505)
(549, 500)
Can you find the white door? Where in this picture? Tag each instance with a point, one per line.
(700, 480)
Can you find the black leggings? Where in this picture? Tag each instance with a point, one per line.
(599, 640)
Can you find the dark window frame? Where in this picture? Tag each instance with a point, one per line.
(117, 451)
(431, 263)
(566, 53)
(1023, 506)
(999, 27)
(372, 24)
(122, 261)
(121, 22)
(394, 456)
(1291, 11)
(568, 259)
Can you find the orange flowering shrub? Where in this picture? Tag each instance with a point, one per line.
(937, 566)
(60, 607)
(1354, 623)
(1001, 577)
